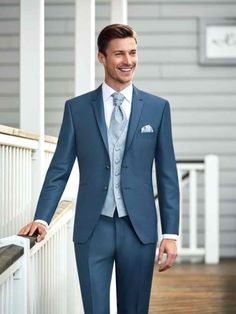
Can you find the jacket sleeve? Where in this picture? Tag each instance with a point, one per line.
(59, 169)
(166, 176)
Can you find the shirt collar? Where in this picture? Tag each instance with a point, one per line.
(107, 91)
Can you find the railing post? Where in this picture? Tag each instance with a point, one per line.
(211, 209)
(20, 277)
(180, 239)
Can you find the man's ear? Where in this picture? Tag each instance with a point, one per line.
(101, 57)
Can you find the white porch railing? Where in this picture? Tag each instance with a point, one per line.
(18, 155)
(18, 160)
(38, 281)
(199, 185)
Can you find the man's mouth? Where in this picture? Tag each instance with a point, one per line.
(125, 69)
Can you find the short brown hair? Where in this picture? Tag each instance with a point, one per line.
(114, 31)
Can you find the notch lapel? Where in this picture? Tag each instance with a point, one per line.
(98, 107)
(136, 109)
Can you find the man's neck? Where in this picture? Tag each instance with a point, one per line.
(118, 87)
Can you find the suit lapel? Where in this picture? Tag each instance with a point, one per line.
(98, 108)
(136, 109)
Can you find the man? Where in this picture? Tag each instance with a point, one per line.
(115, 132)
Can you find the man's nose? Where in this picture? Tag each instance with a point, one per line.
(127, 59)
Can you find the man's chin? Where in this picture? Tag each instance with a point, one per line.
(126, 79)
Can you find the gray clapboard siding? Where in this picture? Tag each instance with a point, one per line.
(164, 26)
(8, 103)
(9, 116)
(201, 148)
(63, 86)
(9, 57)
(225, 194)
(143, 10)
(59, 59)
(8, 72)
(59, 11)
(196, 9)
(9, 27)
(201, 101)
(59, 26)
(8, 87)
(56, 102)
(207, 132)
(227, 175)
(216, 117)
(59, 56)
(102, 9)
(203, 2)
(57, 41)
(8, 42)
(59, 71)
(197, 72)
(9, 10)
(167, 40)
(60, 1)
(8, 2)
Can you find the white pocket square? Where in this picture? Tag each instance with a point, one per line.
(147, 129)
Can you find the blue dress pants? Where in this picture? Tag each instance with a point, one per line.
(114, 240)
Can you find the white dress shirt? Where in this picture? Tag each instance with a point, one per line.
(107, 92)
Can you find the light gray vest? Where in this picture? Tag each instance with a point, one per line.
(114, 196)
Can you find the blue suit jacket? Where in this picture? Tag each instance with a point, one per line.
(83, 135)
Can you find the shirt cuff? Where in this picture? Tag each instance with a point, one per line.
(43, 222)
(170, 236)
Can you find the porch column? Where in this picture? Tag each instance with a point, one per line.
(84, 46)
(119, 11)
(32, 80)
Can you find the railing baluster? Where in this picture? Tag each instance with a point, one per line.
(180, 244)
(193, 210)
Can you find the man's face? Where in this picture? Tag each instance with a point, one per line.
(119, 62)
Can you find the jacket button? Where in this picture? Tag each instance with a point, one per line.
(107, 167)
(105, 188)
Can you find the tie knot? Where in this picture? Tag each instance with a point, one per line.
(117, 98)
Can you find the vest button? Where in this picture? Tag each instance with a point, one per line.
(107, 167)
(117, 149)
(117, 161)
(105, 188)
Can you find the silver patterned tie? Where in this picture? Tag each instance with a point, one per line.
(118, 116)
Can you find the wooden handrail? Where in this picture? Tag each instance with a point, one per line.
(9, 254)
(4, 129)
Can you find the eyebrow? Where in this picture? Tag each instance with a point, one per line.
(132, 50)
